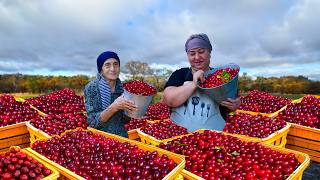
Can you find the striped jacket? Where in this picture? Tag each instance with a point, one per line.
(93, 103)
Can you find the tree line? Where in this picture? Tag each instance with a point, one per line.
(19, 83)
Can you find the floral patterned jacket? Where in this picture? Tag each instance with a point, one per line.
(93, 103)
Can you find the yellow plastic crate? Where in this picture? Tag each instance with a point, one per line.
(150, 140)
(274, 114)
(54, 173)
(71, 175)
(23, 100)
(305, 139)
(35, 133)
(278, 138)
(133, 134)
(296, 175)
(14, 135)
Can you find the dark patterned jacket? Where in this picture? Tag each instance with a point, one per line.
(115, 124)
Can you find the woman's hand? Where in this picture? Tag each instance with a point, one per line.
(198, 76)
(123, 104)
(231, 104)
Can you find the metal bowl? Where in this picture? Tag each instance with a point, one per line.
(224, 91)
(142, 103)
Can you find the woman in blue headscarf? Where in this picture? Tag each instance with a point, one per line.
(103, 97)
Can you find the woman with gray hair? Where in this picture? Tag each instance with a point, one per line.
(190, 108)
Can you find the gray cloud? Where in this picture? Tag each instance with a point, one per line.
(67, 36)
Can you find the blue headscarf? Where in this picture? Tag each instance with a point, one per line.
(104, 56)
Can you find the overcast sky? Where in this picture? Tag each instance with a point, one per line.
(64, 37)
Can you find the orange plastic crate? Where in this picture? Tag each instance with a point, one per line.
(14, 135)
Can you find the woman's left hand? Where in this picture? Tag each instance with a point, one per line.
(231, 104)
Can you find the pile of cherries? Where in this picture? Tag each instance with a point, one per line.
(164, 130)
(213, 155)
(94, 156)
(158, 111)
(253, 125)
(135, 124)
(139, 87)
(58, 102)
(219, 77)
(259, 101)
(16, 164)
(57, 124)
(306, 113)
(12, 111)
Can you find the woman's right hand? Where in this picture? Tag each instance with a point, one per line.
(123, 104)
(198, 76)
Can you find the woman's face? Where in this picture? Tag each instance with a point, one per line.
(110, 69)
(199, 58)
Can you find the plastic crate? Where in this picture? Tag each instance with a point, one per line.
(133, 134)
(274, 114)
(53, 176)
(14, 135)
(278, 138)
(71, 175)
(35, 133)
(147, 139)
(304, 138)
(297, 174)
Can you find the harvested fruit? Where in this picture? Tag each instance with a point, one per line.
(253, 125)
(58, 102)
(164, 130)
(219, 77)
(213, 155)
(139, 87)
(158, 111)
(259, 101)
(306, 113)
(16, 164)
(135, 124)
(94, 156)
(57, 124)
(12, 111)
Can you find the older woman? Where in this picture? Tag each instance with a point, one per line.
(103, 97)
(191, 108)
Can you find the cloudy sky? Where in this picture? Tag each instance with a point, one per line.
(64, 37)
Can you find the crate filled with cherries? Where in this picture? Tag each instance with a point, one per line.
(136, 123)
(59, 123)
(95, 156)
(162, 130)
(258, 126)
(58, 102)
(259, 101)
(17, 164)
(306, 112)
(12, 111)
(213, 155)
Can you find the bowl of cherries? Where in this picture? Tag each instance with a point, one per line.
(141, 94)
(221, 83)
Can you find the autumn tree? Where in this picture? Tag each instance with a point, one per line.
(138, 69)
